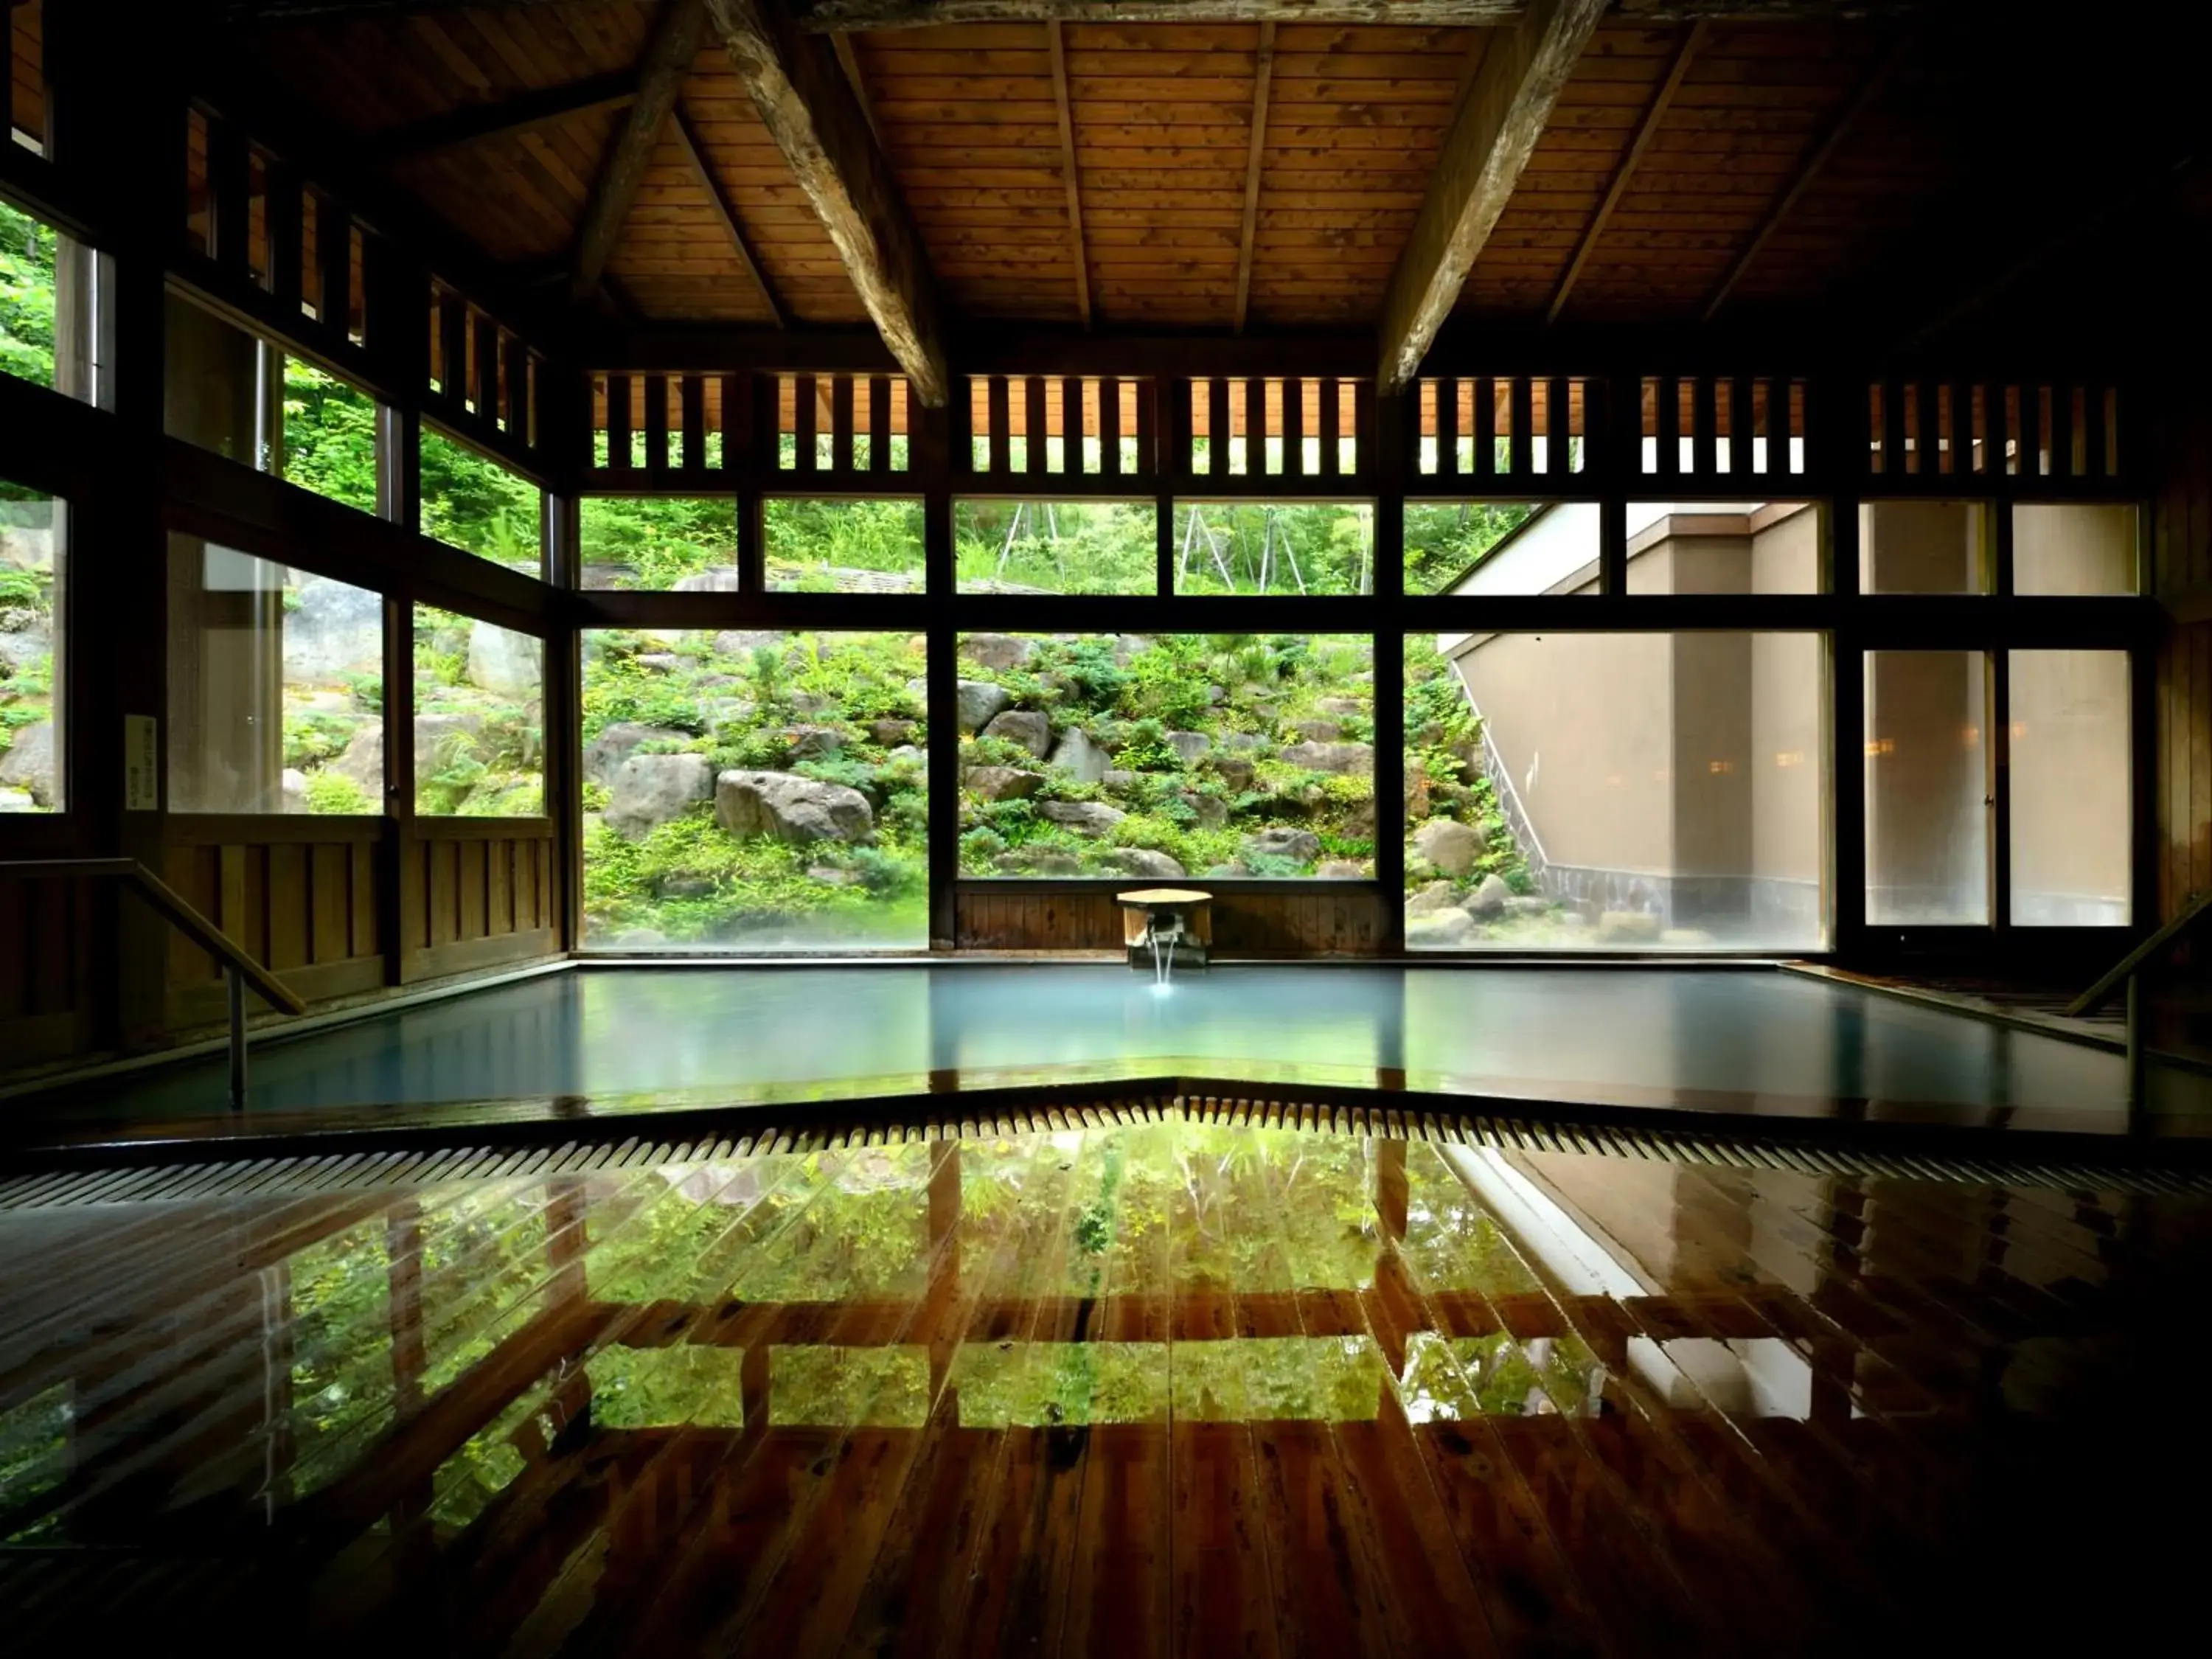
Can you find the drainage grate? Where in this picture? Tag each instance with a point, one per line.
(383, 1170)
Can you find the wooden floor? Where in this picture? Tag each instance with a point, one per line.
(1166, 1389)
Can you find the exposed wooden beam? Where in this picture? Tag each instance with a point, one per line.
(523, 112)
(821, 16)
(810, 110)
(1489, 144)
(669, 51)
(1808, 170)
(1066, 111)
(1262, 74)
(1653, 113)
(688, 141)
(848, 59)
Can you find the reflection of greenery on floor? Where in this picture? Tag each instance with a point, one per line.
(1223, 755)
(755, 788)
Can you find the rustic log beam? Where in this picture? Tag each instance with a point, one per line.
(1808, 170)
(1653, 113)
(1066, 112)
(669, 51)
(1523, 69)
(524, 112)
(1261, 77)
(688, 141)
(809, 109)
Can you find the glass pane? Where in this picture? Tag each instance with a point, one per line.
(33, 561)
(276, 687)
(2071, 773)
(1923, 547)
(1724, 547)
(329, 442)
(1615, 791)
(211, 388)
(1265, 547)
(687, 544)
(755, 790)
(2073, 549)
(473, 502)
(1500, 547)
(844, 547)
(479, 719)
(1218, 755)
(49, 312)
(1927, 788)
(1057, 547)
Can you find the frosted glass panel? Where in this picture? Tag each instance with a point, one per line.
(2069, 788)
(2076, 548)
(1921, 547)
(1927, 788)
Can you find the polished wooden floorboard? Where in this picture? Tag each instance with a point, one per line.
(1163, 1388)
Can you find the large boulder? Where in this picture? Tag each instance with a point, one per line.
(1488, 900)
(1341, 870)
(615, 744)
(998, 652)
(1086, 818)
(1317, 730)
(27, 763)
(362, 760)
(505, 663)
(722, 580)
(1426, 900)
(1235, 771)
(1281, 842)
(812, 741)
(1211, 811)
(1439, 931)
(787, 807)
(890, 732)
(1128, 646)
(1001, 782)
(331, 628)
(292, 791)
(1345, 707)
(440, 740)
(1144, 861)
(979, 701)
(25, 639)
(1190, 745)
(649, 790)
(1346, 759)
(1024, 726)
(1450, 846)
(1076, 753)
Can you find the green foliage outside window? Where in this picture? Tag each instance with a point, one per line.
(1056, 547)
(1251, 546)
(473, 503)
(843, 546)
(1445, 542)
(479, 719)
(32, 551)
(28, 250)
(330, 436)
(651, 542)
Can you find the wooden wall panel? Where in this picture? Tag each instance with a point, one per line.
(2181, 571)
(1334, 919)
(45, 1011)
(475, 895)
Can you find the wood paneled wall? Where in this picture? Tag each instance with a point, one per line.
(2181, 559)
(475, 894)
(1328, 919)
(45, 1004)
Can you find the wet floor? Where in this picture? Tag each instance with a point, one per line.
(1601, 1035)
(1168, 1389)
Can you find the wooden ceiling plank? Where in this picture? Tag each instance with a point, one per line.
(727, 215)
(1652, 116)
(1261, 77)
(809, 110)
(669, 50)
(1868, 90)
(1523, 71)
(848, 59)
(526, 111)
(1059, 50)
(819, 16)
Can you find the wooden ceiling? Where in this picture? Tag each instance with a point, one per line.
(1170, 176)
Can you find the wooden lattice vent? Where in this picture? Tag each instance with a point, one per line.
(1019, 427)
(1507, 428)
(1275, 434)
(2052, 431)
(1721, 427)
(484, 380)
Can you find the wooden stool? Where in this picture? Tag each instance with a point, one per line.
(1183, 914)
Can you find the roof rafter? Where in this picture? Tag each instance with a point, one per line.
(1262, 75)
(1066, 111)
(1653, 113)
(523, 112)
(696, 156)
(1523, 71)
(809, 110)
(669, 50)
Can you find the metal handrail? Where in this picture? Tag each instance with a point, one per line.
(240, 969)
(2129, 969)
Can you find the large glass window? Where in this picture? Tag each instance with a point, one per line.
(755, 790)
(473, 502)
(276, 687)
(1615, 791)
(844, 546)
(479, 719)
(1268, 547)
(53, 319)
(1184, 755)
(2073, 549)
(1923, 547)
(33, 558)
(687, 544)
(1057, 547)
(1499, 547)
(1724, 547)
(2069, 750)
(1927, 788)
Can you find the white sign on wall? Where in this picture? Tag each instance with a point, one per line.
(142, 763)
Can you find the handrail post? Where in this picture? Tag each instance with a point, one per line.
(236, 985)
(2136, 1071)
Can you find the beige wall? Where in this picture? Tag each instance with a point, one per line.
(1921, 547)
(2073, 549)
(2069, 788)
(1926, 787)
